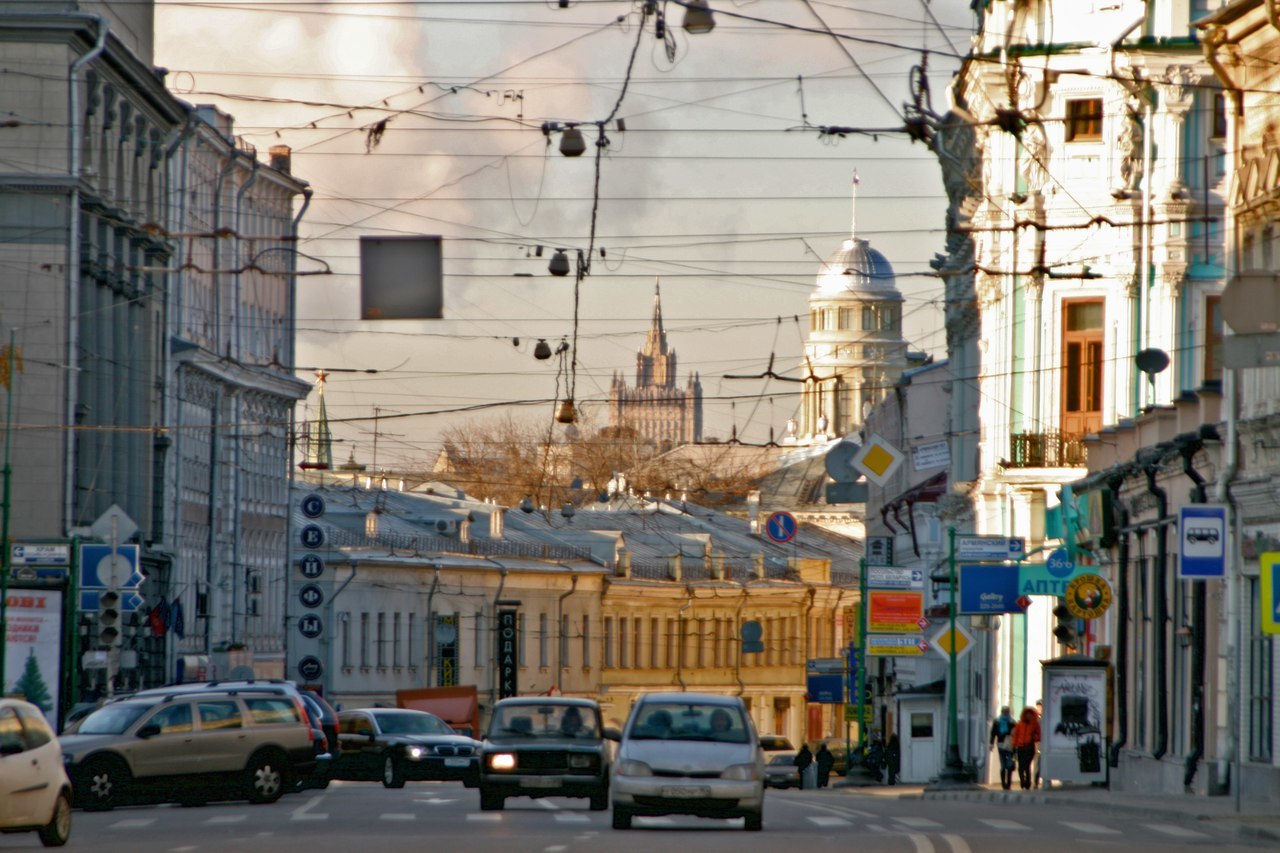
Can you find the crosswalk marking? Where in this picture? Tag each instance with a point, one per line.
(917, 822)
(484, 817)
(656, 821)
(1174, 831)
(227, 818)
(572, 817)
(1001, 823)
(958, 844)
(921, 842)
(310, 816)
(398, 816)
(1090, 828)
(828, 820)
(133, 823)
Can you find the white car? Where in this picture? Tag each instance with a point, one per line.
(35, 794)
(689, 753)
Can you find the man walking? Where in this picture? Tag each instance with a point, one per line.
(1002, 740)
(825, 761)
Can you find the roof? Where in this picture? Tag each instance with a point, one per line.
(547, 700)
(856, 269)
(702, 698)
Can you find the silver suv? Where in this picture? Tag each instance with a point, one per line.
(191, 747)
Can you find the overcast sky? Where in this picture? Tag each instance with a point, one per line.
(721, 185)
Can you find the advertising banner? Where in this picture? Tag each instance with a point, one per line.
(33, 648)
(508, 653)
(894, 611)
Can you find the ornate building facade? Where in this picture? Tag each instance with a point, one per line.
(657, 408)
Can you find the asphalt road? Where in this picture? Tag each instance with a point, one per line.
(359, 817)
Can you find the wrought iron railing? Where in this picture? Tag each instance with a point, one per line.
(1046, 450)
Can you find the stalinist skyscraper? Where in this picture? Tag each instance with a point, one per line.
(656, 408)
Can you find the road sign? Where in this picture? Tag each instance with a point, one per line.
(1269, 581)
(855, 710)
(1202, 538)
(312, 566)
(42, 554)
(100, 564)
(312, 536)
(825, 665)
(961, 641)
(896, 645)
(880, 550)
(922, 623)
(827, 689)
(878, 460)
(780, 527)
(1088, 597)
(310, 626)
(310, 668)
(890, 577)
(989, 589)
(894, 611)
(313, 506)
(1025, 602)
(990, 547)
(311, 596)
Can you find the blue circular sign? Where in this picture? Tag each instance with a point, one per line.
(310, 626)
(310, 668)
(312, 566)
(311, 595)
(780, 527)
(313, 506)
(312, 536)
(1058, 565)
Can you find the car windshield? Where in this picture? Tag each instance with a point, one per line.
(545, 721)
(690, 721)
(787, 758)
(412, 724)
(113, 719)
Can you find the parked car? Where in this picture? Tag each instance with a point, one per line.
(546, 747)
(689, 753)
(398, 745)
(35, 793)
(190, 746)
(780, 771)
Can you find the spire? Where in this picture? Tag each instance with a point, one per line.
(319, 441)
(853, 223)
(657, 306)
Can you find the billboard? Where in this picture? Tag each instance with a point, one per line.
(33, 648)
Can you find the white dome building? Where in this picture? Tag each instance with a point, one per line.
(855, 351)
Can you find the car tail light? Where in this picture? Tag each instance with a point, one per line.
(320, 740)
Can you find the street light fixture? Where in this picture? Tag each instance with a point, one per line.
(698, 18)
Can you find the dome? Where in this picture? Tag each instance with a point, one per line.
(856, 269)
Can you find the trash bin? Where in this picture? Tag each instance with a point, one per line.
(809, 777)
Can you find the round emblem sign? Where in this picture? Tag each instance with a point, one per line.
(310, 626)
(780, 527)
(313, 506)
(312, 536)
(311, 595)
(310, 668)
(312, 566)
(1088, 596)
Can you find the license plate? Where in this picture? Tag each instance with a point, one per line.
(685, 792)
(537, 782)
(457, 762)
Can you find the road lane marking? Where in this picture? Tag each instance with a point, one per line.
(397, 816)
(1001, 823)
(303, 812)
(656, 821)
(572, 817)
(484, 817)
(227, 818)
(922, 842)
(437, 801)
(828, 820)
(843, 812)
(958, 844)
(1090, 828)
(917, 822)
(547, 804)
(133, 823)
(558, 848)
(1175, 831)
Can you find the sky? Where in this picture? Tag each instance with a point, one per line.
(723, 186)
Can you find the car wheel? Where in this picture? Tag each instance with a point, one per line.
(491, 801)
(392, 773)
(56, 832)
(600, 801)
(753, 821)
(264, 780)
(621, 817)
(105, 783)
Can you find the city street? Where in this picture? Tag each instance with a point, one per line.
(355, 817)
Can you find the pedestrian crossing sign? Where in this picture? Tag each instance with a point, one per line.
(1269, 583)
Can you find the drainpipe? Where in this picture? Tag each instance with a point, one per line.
(688, 602)
(1150, 468)
(75, 130)
(429, 629)
(560, 630)
(1122, 619)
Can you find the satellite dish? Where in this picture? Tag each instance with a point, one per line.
(1152, 361)
(839, 460)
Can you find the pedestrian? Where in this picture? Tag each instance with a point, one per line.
(873, 758)
(1001, 739)
(825, 761)
(802, 761)
(893, 758)
(1026, 734)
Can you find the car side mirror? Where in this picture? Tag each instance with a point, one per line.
(149, 730)
(612, 733)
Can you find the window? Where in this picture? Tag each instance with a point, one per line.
(408, 639)
(654, 631)
(868, 318)
(520, 633)
(382, 640)
(1260, 681)
(542, 640)
(637, 659)
(586, 640)
(622, 642)
(175, 719)
(10, 731)
(608, 641)
(219, 715)
(364, 639)
(673, 641)
(395, 639)
(921, 724)
(1212, 338)
(1084, 120)
(344, 629)
(479, 637)
(267, 712)
(564, 640)
(1219, 124)
(1082, 367)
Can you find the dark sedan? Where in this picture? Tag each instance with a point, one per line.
(397, 745)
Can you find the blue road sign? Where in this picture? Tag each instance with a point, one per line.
(96, 562)
(828, 689)
(990, 547)
(989, 589)
(780, 527)
(1202, 537)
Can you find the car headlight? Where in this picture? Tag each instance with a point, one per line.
(579, 761)
(502, 761)
(415, 752)
(630, 767)
(740, 773)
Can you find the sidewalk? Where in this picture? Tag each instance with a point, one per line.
(1252, 821)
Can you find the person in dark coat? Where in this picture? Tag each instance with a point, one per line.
(825, 762)
(893, 758)
(802, 761)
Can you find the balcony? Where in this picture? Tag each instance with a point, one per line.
(1046, 450)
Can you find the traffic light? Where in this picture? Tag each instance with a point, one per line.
(1066, 629)
(109, 617)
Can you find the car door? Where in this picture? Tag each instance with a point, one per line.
(46, 756)
(21, 784)
(359, 735)
(222, 738)
(172, 749)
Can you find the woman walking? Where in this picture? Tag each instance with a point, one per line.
(1026, 734)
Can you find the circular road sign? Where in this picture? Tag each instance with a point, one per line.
(312, 566)
(780, 527)
(313, 506)
(312, 536)
(310, 626)
(310, 668)
(1088, 596)
(311, 595)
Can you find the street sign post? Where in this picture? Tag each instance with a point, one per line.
(990, 547)
(989, 589)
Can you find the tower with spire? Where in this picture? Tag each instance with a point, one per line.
(657, 408)
(317, 440)
(854, 351)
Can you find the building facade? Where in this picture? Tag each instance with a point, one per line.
(657, 408)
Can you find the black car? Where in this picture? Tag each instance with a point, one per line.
(398, 745)
(541, 747)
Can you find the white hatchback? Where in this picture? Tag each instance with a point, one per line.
(689, 753)
(35, 794)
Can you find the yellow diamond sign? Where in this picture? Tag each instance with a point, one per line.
(961, 641)
(878, 459)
